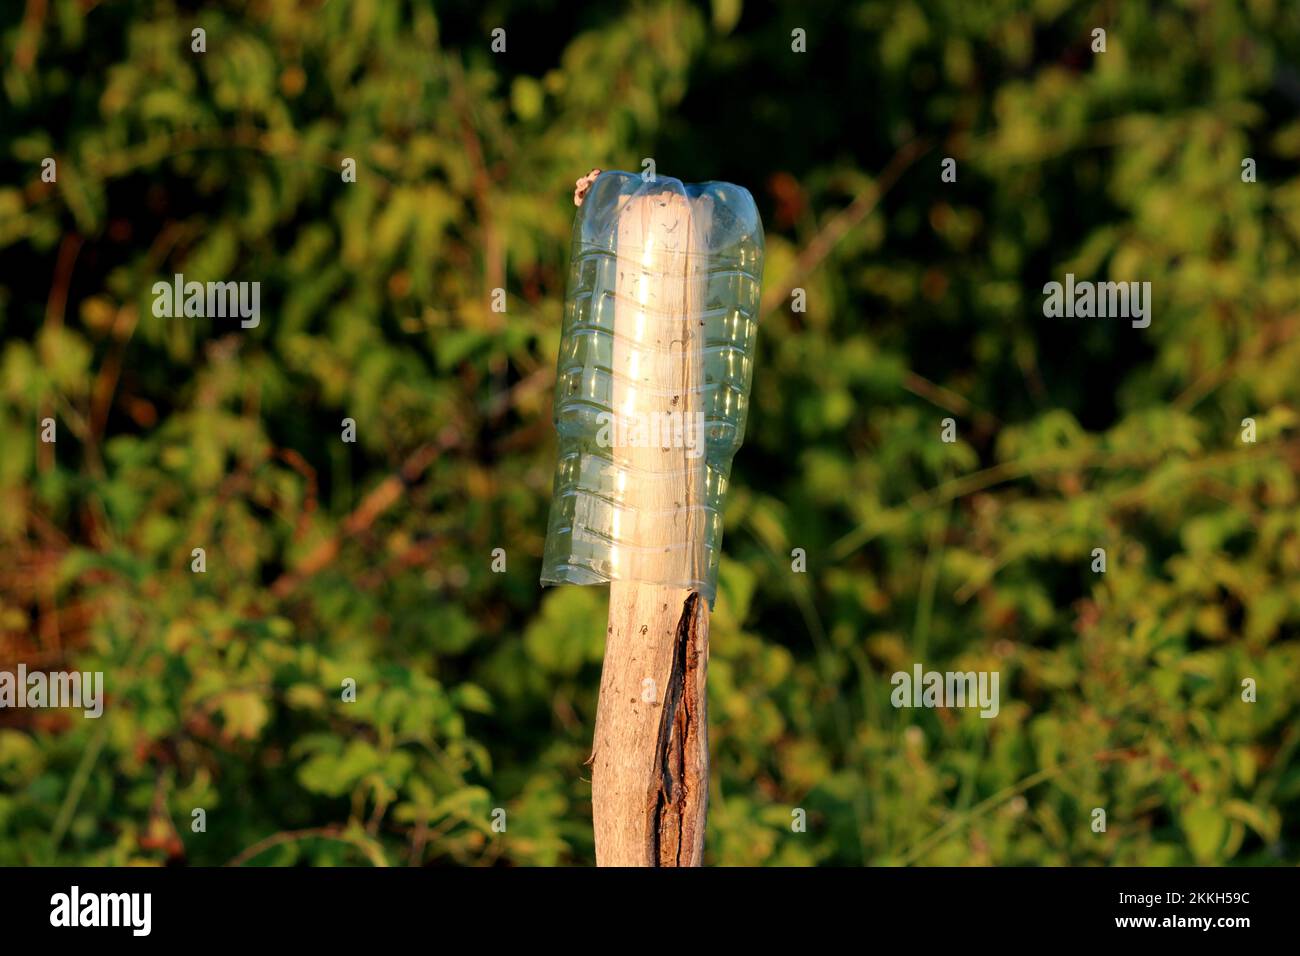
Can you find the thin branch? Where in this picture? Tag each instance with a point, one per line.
(333, 831)
(846, 220)
(961, 820)
(382, 497)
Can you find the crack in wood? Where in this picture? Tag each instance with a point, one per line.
(679, 801)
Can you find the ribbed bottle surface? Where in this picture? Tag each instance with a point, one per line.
(629, 293)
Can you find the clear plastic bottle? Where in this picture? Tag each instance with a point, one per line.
(653, 379)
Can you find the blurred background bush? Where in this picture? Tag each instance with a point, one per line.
(372, 561)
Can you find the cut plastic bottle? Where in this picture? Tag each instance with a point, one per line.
(652, 387)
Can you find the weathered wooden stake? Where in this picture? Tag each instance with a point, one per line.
(650, 757)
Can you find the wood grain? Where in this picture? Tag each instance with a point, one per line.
(650, 752)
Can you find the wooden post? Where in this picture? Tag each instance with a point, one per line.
(650, 756)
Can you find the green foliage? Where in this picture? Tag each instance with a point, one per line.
(371, 562)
